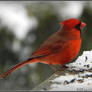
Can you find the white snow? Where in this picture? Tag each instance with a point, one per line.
(83, 62)
(85, 86)
(75, 82)
(63, 78)
(63, 83)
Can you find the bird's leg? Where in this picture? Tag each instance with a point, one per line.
(64, 66)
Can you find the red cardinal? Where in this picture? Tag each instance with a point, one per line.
(59, 49)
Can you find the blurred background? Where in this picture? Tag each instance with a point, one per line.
(24, 26)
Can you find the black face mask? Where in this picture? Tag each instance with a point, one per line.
(78, 26)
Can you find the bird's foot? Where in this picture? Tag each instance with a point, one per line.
(64, 66)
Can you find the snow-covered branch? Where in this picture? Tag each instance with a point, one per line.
(77, 77)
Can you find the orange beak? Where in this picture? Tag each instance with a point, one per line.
(82, 25)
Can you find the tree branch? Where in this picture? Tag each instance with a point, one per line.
(77, 77)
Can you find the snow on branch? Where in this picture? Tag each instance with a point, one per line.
(77, 77)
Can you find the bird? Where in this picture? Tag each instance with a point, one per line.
(59, 49)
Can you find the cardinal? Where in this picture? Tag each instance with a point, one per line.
(60, 48)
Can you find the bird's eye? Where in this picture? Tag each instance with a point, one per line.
(78, 26)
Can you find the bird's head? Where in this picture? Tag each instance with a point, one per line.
(73, 23)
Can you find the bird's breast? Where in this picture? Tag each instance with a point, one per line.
(68, 53)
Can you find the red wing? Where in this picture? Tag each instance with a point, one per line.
(54, 44)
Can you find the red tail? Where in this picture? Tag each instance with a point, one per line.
(30, 60)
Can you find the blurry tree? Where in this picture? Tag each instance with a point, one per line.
(87, 33)
(47, 25)
(7, 55)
